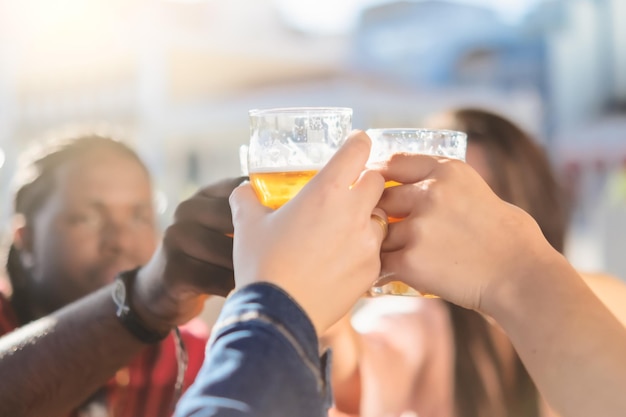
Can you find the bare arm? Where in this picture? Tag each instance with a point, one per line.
(573, 347)
(56, 362)
(460, 241)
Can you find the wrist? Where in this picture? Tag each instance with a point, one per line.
(129, 312)
(529, 280)
(161, 305)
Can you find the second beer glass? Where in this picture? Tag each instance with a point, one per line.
(385, 143)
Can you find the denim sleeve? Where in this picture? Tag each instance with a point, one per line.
(262, 361)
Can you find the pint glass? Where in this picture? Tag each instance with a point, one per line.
(288, 146)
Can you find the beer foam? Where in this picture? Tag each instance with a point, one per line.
(278, 169)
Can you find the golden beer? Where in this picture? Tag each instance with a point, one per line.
(276, 188)
(397, 288)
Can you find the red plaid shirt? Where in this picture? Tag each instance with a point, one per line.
(145, 387)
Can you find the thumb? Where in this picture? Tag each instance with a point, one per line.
(245, 205)
(348, 162)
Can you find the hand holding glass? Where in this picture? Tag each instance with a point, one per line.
(385, 143)
(288, 146)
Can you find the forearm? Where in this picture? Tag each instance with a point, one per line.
(263, 362)
(570, 343)
(56, 362)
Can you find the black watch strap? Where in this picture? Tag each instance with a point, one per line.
(122, 293)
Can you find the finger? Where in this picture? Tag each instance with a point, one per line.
(245, 205)
(206, 246)
(213, 213)
(408, 168)
(398, 236)
(380, 223)
(347, 163)
(368, 189)
(222, 188)
(402, 200)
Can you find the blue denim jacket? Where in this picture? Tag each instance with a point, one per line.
(262, 360)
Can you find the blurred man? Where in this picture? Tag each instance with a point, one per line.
(84, 213)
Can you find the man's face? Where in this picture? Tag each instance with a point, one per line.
(98, 221)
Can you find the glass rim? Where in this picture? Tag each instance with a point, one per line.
(416, 129)
(300, 110)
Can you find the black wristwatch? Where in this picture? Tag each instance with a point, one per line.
(122, 291)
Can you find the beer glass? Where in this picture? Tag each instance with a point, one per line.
(386, 142)
(288, 146)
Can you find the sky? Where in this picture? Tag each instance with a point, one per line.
(340, 16)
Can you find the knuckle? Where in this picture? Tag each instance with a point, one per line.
(232, 202)
(363, 145)
(436, 193)
(396, 158)
(183, 210)
(455, 166)
(174, 239)
(376, 179)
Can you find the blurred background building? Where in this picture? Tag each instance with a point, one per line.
(177, 78)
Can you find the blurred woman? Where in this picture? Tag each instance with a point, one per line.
(406, 356)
